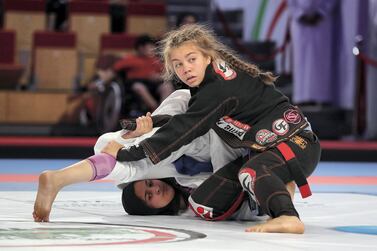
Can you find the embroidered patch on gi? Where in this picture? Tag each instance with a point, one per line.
(280, 127)
(247, 177)
(200, 210)
(302, 143)
(233, 126)
(265, 136)
(292, 116)
(222, 68)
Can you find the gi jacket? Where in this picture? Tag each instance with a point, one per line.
(244, 112)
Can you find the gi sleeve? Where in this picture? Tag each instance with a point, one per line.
(206, 107)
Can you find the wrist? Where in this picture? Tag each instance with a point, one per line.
(117, 153)
(129, 135)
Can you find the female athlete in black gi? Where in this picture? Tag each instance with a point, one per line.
(241, 104)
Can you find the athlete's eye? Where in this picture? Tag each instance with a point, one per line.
(192, 60)
(177, 65)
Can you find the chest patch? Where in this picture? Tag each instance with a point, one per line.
(222, 68)
(265, 136)
(233, 126)
(280, 127)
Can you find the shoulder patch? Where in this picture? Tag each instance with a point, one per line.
(222, 68)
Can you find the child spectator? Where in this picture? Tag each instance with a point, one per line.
(143, 82)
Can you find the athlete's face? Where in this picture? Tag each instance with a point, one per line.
(155, 193)
(189, 64)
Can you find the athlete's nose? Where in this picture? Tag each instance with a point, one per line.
(186, 68)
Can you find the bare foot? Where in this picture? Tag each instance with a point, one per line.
(47, 191)
(282, 224)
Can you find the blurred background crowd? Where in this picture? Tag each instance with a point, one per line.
(75, 67)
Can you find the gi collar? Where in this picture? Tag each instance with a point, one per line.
(209, 76)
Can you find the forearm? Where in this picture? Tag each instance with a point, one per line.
(133, 153)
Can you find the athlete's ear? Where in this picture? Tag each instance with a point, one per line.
(209, 60)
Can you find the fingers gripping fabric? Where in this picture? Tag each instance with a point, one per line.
(102, 165)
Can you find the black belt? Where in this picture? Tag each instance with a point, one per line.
(294, 168)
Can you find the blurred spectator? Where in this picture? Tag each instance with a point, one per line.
(100, 103)
(371, 91)
(117, 14)
(57, 14)
(313, 34)
(1, 13)
(143, 81)
(186, 18)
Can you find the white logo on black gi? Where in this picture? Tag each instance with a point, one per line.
(280, 127)
(229, 127)
(224, 70)
(247, 183)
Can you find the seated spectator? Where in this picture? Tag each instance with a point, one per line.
(186, 18)
(117, 15)
(143, 77)
(1, 13)
(100, 102)
(57, 15)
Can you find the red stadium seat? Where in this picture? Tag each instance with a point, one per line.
(8, 46)
(55, 61)
(10, 72)
(117, 44)
(24, 17)
(89, 19)
(146, 18)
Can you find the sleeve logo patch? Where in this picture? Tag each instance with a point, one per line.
(265, 136)
(222, 68)
(280, 127)
(233, 126)
(292, 116)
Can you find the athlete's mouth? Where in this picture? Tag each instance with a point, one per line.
(190, 78)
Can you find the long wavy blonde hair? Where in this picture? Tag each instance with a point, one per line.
(206, 41)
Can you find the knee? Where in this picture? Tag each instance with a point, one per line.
(247, 177)
(219, 207)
